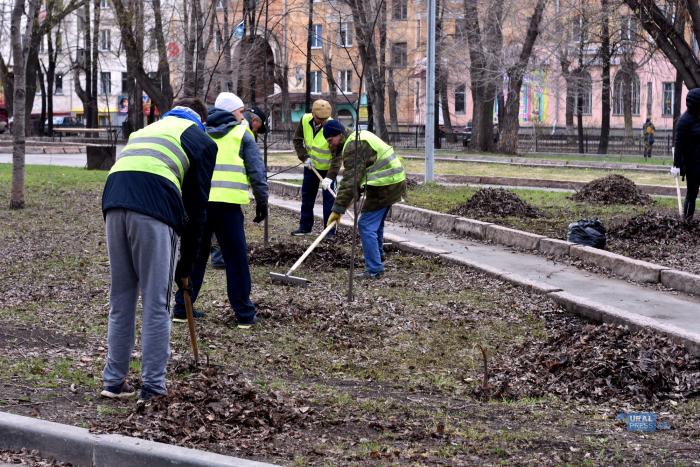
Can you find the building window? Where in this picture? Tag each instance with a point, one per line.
(105, 40)
(317, 36)
(461, 99)
(315, 82)
(399, 9)
(650, 97)
(345, 81)
(126, 89)
(619, 94)
(399, 55)
(584, 94)
(58, 82)
(461, 28)
(579, 31)
(628, 28)
(668, 98)
(345, 35)
(106, 83)
(104, 4)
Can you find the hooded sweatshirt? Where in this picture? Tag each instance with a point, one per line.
(219, 123)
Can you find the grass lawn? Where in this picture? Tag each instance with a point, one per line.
(500, 170)
(389, 378)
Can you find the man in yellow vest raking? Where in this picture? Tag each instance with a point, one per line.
(312, 149)
(238, 167)
(380, 174)
(157, 189)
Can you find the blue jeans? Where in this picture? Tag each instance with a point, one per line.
(371, 226)
(226, 221)
(309, 191)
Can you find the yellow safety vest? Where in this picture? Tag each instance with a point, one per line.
(156, 149)
(316, 146)
(387, 169)
(229, 182)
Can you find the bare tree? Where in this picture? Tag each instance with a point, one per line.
(20, 52)
(510, 124)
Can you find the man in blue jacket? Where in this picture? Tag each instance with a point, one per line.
(156, 191)
(238, 168)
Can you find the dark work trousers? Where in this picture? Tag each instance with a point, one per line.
(226, 221)
(692, 183)
(309, 191)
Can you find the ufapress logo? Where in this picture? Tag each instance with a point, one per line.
(642, 421)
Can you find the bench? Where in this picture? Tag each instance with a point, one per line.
(111, 132)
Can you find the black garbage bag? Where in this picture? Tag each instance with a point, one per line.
(588, 232)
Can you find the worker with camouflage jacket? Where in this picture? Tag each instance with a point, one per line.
(380, 174)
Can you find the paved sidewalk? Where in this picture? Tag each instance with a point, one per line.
(64, 160)
(584, 292)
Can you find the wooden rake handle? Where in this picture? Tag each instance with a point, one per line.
(330, 190)
(190, 318)
(311, 248)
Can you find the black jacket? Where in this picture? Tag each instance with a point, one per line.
(687, 143)
(157, 197)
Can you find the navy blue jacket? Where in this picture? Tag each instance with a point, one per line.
(219, 123)
(157, 197)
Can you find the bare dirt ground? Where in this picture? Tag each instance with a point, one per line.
(396, 377)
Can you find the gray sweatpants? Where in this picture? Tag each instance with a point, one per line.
(141, 253)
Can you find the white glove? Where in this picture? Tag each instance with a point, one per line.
(675, 171)
(308, 162)
(326, 183)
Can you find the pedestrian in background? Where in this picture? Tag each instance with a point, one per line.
(648, 134)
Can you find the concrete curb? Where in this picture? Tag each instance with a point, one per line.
(604, 313)
(78, 446)
(628, 268)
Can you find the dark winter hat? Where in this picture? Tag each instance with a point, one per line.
(260, 113)
(332, 128)
(692, 100)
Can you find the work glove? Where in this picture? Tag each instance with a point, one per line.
(182, 271)
(260, 212)
(326, 183)
(333, 218)
(675, 172)
(308, 163)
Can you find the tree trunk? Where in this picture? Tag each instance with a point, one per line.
(627, 101)
(20, 51)
(95, 64)
(309, 39)
(605, 54)
(393, 94)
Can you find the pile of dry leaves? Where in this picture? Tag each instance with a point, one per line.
(653, 226)
(613, 189)
(210, 407)
(488, 202)
(600, 363)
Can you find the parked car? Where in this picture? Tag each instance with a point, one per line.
(64, 122)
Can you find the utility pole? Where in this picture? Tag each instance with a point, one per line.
(309, 38)
(430, 97)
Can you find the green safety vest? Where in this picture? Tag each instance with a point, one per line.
(229, 182)
(387, 169)
(156, 149)
(316, 146)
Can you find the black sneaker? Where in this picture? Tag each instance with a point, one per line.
(146, 395)
(367, 276)
(300, 233)
(122, 391)
(180, 315)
